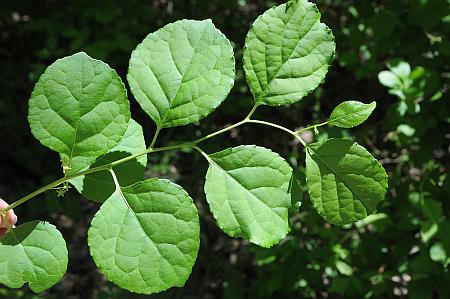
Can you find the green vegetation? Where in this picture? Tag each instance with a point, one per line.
(393, 53)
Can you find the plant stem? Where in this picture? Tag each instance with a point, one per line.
(311, 127)
(116, 181)
(201, 152)
(218, 132)
(192, 144)
(158, 129)
(278, 127)
(246, 119)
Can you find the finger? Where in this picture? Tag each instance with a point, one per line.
(3, 204)
(12, 218)
(3, 232)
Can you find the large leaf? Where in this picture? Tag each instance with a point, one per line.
(98, 186)
(182, 72)
(345, 182)
(34, 253)
(287, 53)
(79, 108)
(351, 113)
(145, 237)
(247, 189)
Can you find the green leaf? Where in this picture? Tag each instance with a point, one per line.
(145, 237)
(428, 230)
(287, 53)
(344, 268)
(402, 70)
(182, 72)
(389, 79)
(247, 189)
(344, 181)
(79, 108)
(351, 113)
(406, 130)
(98, 186)
(35, 253)
(438, 253)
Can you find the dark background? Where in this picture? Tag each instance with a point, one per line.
(391, 255)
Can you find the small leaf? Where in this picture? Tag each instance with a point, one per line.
(79, 108)
(402, 69)
(98, 186)
(406, 130)
(247, 189)
(145, 237)
(344, 268)
(389, 79)
(428, 230)
(287, 53)
(438, 253)
(344, 181)
(35, 253)
(182, 72)
(351, 113)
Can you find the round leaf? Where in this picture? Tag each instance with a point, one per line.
(79, 108)
(98, 186)
(344, 181)
(287, 53)
(145, 237)
(182, 72)
(351, 113)
(248, 192)
(34, 253)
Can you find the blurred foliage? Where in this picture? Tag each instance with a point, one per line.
(394, 52)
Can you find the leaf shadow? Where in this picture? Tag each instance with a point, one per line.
(18, 234)
(99, 186)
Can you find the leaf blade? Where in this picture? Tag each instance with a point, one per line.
(344, 181)
(196, 77)
(278, 69)
(79, 108)
(145, 237)
(35, 253)
(349, 114)
(250, 198)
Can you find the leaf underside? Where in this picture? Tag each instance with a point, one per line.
(35, 253)
(287, 53)
(344, 181)
(99, 186)
(145, 237)
(182, 72)
(79, 108)
(247, 189)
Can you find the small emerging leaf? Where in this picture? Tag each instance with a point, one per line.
(145, 237)
(35, 253)
(98, 186)
(248, 192)
(345, 182)
(79, 108)
(351, 113)
(182, 72)
(287, 53)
